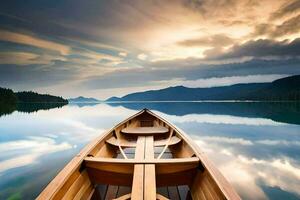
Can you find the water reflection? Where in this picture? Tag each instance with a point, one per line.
(28, 107)
(250, 168)
(254, 147)
(34, 107)
(276, 111)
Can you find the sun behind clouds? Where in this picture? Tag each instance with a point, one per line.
(99, 45)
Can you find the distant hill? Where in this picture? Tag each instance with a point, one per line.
(279, 90)
(114, 99)
(82, 99)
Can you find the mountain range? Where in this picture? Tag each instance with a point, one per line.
(82, 99)
(285, 89)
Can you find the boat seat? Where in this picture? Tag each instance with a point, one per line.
(145, 130)
(174, 140)
(157, 143)
(163, 166)
(142, 171)
(115, 142)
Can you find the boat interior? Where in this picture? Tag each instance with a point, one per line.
(143, 157)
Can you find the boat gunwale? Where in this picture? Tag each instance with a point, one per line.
(61, 178)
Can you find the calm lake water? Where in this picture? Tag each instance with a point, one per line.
(255, 145)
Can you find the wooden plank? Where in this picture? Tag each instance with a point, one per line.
(66, 185)
(174, 140)
(84, 187)
(88, 194)
(113, 141)
(168, 168)
(111, 193)
(162, 166)
(199, 195)
(145, 130)
(122, 167)
(197, 188)
(208, 188)
(214, 186)
(105, 177)
(149, 148)
(157, 143)
(211, 188)
(174, 161)
(138, 176)
(138, 182)
(75, 187)
(174, 179)
(140, 148)
(149, 180)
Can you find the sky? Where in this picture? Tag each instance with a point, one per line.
(110, 48)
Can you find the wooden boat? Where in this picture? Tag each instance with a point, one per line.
(143, 157)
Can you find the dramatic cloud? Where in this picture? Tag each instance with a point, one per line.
(94, 47)
(290, 7)
(33, 41)
(142, 56)
(24, 58)
(290, 26)
(213, 41)
(264, 48)
(225, 81)
(288, 29)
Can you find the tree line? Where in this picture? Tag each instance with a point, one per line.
(7, 96)
(11, 101)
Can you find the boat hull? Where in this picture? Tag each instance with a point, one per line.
(143, 157)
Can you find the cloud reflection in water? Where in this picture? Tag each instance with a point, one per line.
(28, 151)
(252, 152)
(243, 158)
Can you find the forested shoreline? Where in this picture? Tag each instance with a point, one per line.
(11, 101)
